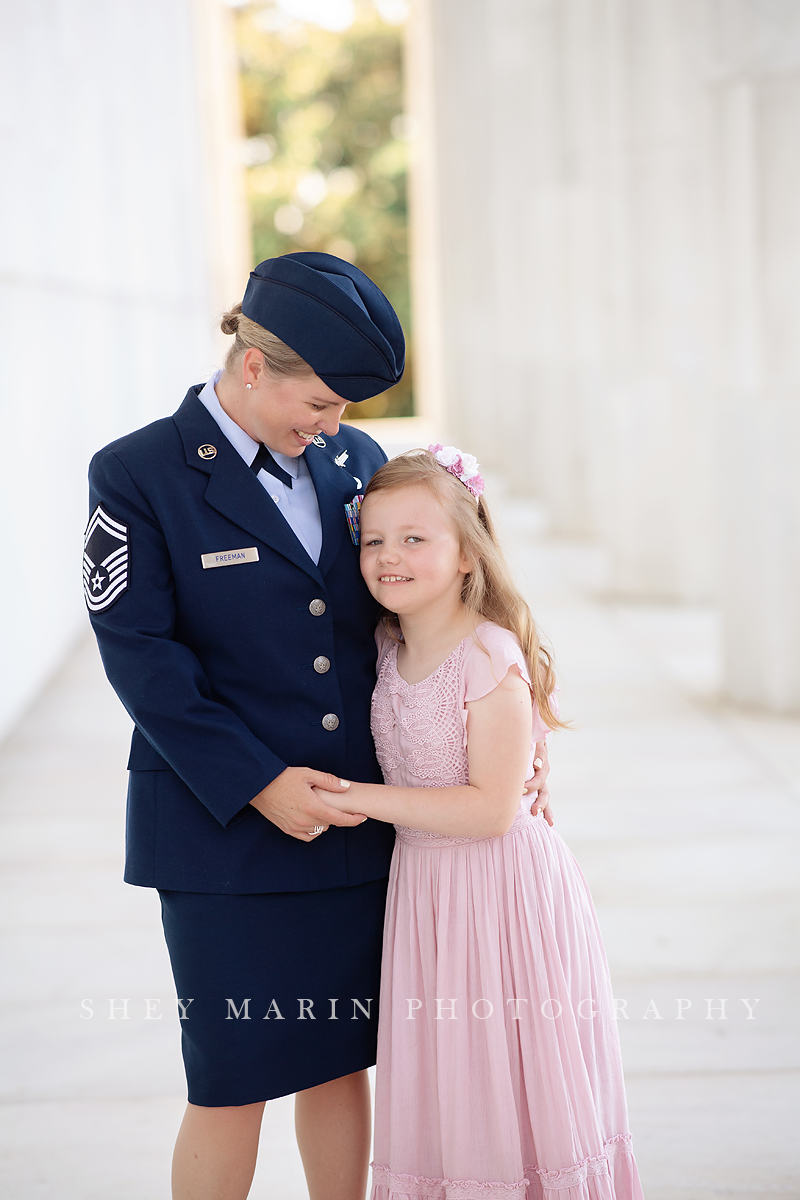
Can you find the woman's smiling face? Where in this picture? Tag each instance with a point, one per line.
(410, 555)
(286, 414)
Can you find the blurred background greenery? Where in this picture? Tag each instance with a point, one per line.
(326, 144)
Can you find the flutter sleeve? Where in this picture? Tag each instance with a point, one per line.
(486, 663)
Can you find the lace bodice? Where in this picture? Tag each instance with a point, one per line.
(420, 729)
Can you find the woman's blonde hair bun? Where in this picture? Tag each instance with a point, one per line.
(230, 320)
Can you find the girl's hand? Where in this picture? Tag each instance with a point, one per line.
(344, 801)
(538, 783)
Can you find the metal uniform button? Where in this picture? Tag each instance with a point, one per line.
(322, 664)
(330, 721)
(317, 608)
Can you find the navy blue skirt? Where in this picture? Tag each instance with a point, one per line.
(283, 987)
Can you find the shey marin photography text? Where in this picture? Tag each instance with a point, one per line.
(515, 1008)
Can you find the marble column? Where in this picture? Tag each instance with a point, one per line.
(450, 196)
(757, 108)
(655, 461)
(493, 202)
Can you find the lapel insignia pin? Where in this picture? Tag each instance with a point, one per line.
(352, 511)
(341, 459)
(319, 441)
(105, 560)
(207, 451)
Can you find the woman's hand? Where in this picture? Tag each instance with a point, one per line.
(293, 802)
(538, 783)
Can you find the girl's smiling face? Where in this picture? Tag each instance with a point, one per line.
(410, 555)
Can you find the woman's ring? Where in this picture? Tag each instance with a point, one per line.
(317, 829)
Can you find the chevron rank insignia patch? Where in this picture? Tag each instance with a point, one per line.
(105, 560)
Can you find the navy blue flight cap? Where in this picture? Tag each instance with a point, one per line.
(333, 316)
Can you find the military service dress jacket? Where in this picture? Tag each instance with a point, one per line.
(234, 653)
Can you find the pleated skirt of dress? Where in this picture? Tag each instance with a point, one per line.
(499, 1073)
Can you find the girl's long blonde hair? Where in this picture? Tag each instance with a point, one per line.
(489, 592)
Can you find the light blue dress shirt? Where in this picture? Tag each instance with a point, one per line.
(298, 504)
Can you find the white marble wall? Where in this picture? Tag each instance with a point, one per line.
(122, 233)
(611, 190)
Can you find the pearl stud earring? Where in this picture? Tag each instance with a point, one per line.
(248, 386)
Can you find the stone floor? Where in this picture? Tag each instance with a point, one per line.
(684, 815)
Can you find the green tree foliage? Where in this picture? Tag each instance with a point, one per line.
(326, 152)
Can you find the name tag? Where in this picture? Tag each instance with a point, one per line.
(229, 558)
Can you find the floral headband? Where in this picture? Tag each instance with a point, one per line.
(463, 466)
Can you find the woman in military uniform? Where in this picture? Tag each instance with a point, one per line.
(222, 578)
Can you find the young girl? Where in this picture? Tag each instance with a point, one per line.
(499, 1072)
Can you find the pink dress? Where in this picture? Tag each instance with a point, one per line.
(499, 1073)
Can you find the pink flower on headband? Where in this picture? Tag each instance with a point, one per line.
(463, 466)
